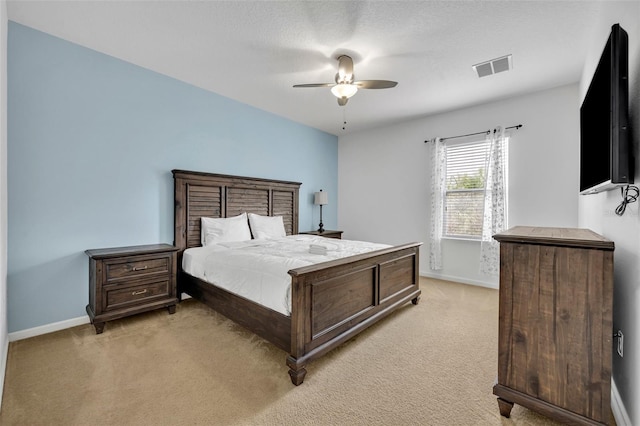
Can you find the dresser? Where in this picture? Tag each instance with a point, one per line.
(555, 323)
(125, 281)
(326, 233)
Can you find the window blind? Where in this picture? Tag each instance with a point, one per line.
(464, 194)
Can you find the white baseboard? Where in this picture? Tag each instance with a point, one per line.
(4, 354)
(56, 326)
(462, 280)
(48, 328)
(617, 407)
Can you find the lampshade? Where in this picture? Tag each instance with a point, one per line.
(321, 198)
(344, 90)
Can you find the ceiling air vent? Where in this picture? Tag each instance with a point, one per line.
(493, 66)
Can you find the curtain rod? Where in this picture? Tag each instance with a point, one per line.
(486, 132)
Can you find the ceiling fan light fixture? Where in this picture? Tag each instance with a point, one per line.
(345, 85)
(344, 90)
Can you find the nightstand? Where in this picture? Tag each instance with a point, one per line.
(326, 233)
(125, 281)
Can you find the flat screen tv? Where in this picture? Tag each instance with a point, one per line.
(606, 156)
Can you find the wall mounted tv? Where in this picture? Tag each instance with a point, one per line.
(606, 156)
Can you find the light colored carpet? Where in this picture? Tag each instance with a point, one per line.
(430, 364)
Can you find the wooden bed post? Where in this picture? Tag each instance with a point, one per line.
(295, 362)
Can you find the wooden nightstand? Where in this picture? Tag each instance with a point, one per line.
(125, 281)
(327, 234)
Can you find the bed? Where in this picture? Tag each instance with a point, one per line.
(330, 302)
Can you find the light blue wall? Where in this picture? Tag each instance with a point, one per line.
(92, 141)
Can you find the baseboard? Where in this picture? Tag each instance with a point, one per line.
(462, 280)
(617, 407)
(56, 326)
(48, 328)
(3, 365)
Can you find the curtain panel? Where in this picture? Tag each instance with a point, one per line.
(495, 202)
(438, 185)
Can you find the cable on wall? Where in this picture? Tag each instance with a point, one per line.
(629, 195)
(486, 132)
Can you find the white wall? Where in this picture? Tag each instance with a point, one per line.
(383, 175)
(597, 212)
(4, 341)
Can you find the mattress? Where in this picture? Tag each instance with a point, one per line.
(258, 269)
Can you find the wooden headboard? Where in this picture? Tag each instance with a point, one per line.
(200, 194)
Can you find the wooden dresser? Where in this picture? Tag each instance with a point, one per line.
(125, 281)
(555, 330)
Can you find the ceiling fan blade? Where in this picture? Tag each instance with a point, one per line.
(345, 69)
(345, 81)
(315, 85)
(375, 84)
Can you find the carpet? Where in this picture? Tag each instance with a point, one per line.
(430, 364)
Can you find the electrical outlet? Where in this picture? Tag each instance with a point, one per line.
(620, 337)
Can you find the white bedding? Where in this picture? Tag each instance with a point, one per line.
(257, 269)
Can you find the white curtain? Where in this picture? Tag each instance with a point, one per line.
(495, 202)
(438, 176)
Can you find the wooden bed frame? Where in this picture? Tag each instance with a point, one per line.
(330, 302)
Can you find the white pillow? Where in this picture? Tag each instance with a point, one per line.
(222, 230)
(266, 227)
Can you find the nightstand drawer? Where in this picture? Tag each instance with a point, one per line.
(136, 267)
(117, 297)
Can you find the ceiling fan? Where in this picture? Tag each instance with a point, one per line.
(345, 86)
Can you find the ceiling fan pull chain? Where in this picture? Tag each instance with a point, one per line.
(344, 118)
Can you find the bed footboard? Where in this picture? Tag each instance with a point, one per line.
(333, 301)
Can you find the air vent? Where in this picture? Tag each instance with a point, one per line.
(493, 66)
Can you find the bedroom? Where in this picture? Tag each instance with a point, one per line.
(83, 160)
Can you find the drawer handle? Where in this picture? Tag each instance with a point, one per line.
(140, 269)
(135, 293)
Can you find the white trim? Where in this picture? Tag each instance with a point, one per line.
(4, 354)
(48, 328)
(617, 407)
(56, 326)
(462, 280)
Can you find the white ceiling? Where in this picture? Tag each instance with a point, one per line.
(255, 51)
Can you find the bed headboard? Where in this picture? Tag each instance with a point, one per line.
(200, 194)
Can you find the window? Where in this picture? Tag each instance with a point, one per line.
(464, 195)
